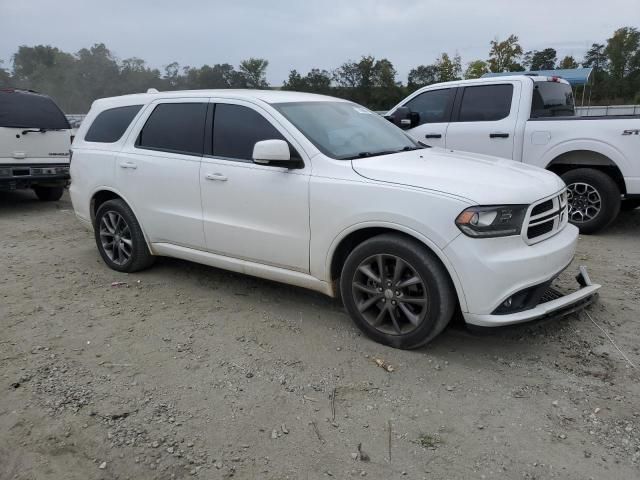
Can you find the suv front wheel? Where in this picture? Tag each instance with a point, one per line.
(396, 291)
(120, 239)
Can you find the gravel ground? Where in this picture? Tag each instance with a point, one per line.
(185, 370)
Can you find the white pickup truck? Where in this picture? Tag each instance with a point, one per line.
(531, 119)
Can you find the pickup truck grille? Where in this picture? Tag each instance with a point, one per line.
(546, 218)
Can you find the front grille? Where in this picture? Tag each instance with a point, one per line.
(546, 218)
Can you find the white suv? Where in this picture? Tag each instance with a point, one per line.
(324, 194)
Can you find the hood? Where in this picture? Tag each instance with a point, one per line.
(480, 179)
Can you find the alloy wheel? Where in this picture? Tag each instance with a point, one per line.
(115, 237)
(390, 294)
(585, 202)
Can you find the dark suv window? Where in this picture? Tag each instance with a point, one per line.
(486, 103)
(433, 106)
(110, 124)
(236, 129)
(175, 127)
(22, 109)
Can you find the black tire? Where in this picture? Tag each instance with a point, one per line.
(48, 194)
(630, 204)
(435, 286)
(138, 257)
(606, 190)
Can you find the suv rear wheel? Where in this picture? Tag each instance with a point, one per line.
(396, 291)
(120, 239)
(594, 199)
(48, 194)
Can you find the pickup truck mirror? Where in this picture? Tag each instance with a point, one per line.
(404, 118)
(275, 153)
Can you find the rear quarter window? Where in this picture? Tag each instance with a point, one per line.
(110, 125)
(21, 109)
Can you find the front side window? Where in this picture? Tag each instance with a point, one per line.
(432, 106)
(20, 109)
(175, 127)
(110, 125)
(236, 129)
(345, 130)
(486, 103)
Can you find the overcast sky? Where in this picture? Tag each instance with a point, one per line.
(308, 33)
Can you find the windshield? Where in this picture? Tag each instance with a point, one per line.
(345, 130)
(552, 99)
(30, 110)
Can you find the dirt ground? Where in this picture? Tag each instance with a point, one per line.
(184, 370)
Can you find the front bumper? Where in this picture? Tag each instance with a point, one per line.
(556, 305)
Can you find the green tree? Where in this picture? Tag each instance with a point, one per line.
(449, 68)
(476, 69)
(623, 52)
(504, 55)
(369, 81)
(596, 57)
(5, 77)
(254, 71)
(568, 62)
(421, 76)
(544, 59)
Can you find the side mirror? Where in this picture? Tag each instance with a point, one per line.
(274, 152)
(404, 118)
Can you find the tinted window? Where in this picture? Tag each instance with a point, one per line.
(552, 99)
(175, 127)
(486, 103)
(109, 125)
(432, 106)
(30, 110)
(236, 129)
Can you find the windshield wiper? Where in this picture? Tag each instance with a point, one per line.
(41, 130)
(383, 152)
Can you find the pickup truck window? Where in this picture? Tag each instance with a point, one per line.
(110, 124)
(21, 109)
(552, 99)
(236, 129)
(175, 127)
(486, 103)
(432, 106)
(345, 130)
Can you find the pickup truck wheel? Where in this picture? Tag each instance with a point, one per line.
(396, 291)
(48, 194)
(120, 239)
(594, 199)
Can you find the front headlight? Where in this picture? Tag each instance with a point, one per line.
(493, 221)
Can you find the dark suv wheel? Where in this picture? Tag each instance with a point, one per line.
(48, 194)
(594, 199)
(120, 239)
(397, 291)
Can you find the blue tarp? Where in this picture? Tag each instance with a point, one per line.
(575, 76)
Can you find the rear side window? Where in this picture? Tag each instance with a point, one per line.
(30, 110)
(486, 103)
(432, 106)
(175, 127)
(110, 125)
(552, 99)
(236, 129)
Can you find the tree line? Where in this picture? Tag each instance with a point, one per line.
(76, 79)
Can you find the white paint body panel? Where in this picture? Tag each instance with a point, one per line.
(285, 225)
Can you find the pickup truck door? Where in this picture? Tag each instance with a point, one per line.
(484, 119)
(434, 108)
(258, 213)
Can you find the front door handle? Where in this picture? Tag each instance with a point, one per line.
(433, 135)
(130, 165)
(498, 135)
(216, 176)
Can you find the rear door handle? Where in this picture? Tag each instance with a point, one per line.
(130, 165)
(216, 176)
(498, 135)
(433, 135)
